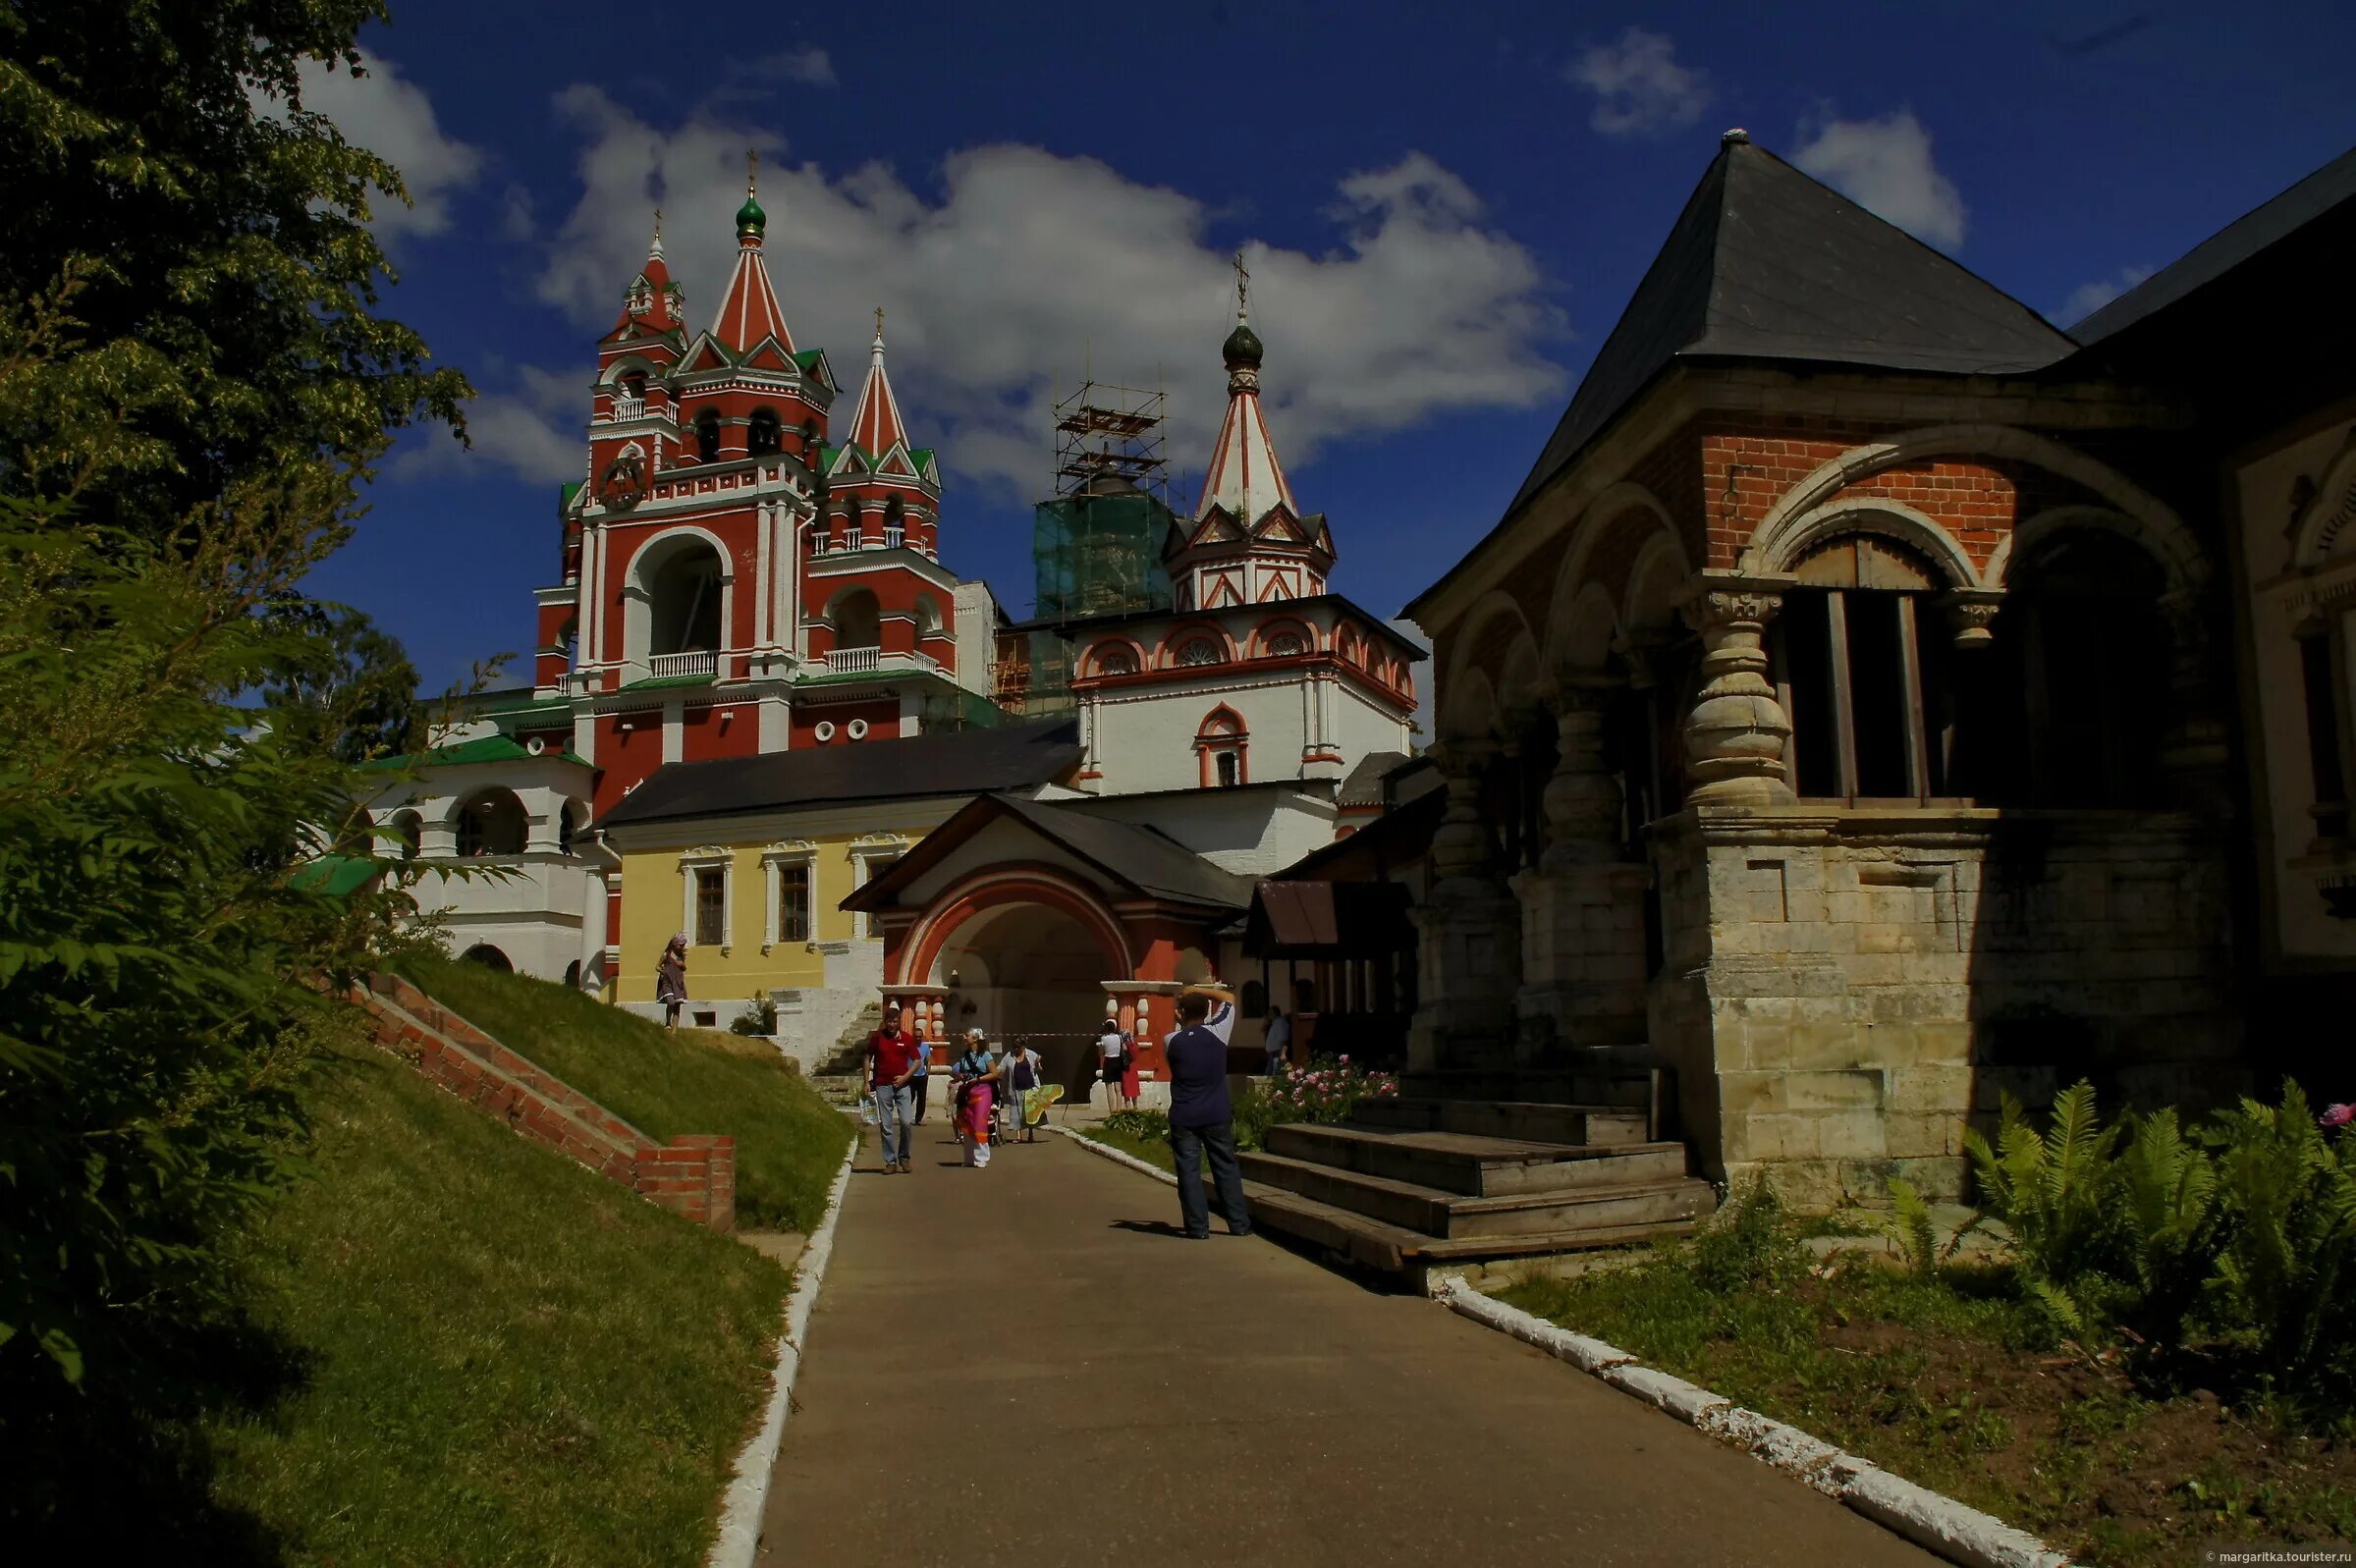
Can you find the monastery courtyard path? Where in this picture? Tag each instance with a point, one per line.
(1023, 1366)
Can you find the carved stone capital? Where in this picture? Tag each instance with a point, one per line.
(1720, 601)
(1971, 615)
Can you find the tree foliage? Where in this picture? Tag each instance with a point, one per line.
(159, 149)
(192, 384)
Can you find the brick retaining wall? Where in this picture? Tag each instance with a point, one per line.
(693, 1176)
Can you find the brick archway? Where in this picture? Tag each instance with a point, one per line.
(996, 888)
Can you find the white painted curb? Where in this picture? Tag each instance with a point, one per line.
(1936, 1523)
(1119, 1157)
(749, 1493)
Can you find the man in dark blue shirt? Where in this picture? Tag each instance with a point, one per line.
(1203, 1121)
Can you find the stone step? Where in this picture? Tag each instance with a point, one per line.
(1599, 1084)
(1453, 1216)
(1539, 1121)
(839, 1088)
(1473, 1165)
(1390, 1249)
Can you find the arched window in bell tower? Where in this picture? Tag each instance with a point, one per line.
(708, 436)
(762, 437)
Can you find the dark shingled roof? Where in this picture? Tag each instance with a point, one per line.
(2265, 226)
(1140, 858)
(1364, 785)
(1765, 263)
(960, 763)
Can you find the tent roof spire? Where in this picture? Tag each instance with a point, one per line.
(749, 313)
(876, 425)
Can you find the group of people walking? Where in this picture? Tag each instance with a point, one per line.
(990, 1088)
(992, 1091)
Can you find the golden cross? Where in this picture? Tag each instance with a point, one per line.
(879, 321)
(1242, 286)
(752, 167)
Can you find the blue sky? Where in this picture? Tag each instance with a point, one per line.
(1444, 212)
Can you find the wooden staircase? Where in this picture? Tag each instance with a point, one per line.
(1483, 1163)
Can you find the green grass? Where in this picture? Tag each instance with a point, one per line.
(502, 1358)
(1958, 1383)
(1155, 1152)
(667, 1083)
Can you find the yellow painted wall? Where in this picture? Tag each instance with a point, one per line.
(653, 900)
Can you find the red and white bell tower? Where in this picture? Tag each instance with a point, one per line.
(733, 583)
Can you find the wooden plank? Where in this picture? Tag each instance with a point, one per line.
(1918, 752)
(1844, 719)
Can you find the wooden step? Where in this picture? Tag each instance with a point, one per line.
(1476, 1167)
(1454, 1216)
(1392, 1249)
(1536, 1120)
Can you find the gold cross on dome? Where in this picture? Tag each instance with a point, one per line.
(1242, 286)
(752, 167)
(879, 321)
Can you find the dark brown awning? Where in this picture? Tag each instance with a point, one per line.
(1327, 920)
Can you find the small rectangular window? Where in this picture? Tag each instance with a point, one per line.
(711, 905)
(793, 904)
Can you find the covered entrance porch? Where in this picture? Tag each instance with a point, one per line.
(1034, 923)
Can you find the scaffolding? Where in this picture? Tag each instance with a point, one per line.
(1096, 544)
(1104, 430)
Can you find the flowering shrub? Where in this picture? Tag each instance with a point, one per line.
(1327, 1089)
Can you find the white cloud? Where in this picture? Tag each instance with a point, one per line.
(1885, 166)
(1638, 85)
(393, 119)
(532, 430)
(1024, 262)
(2089, 297)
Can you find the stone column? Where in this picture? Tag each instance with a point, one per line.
(1582, 907)
(2195, 753)
(1736, 734)
(1469, 931)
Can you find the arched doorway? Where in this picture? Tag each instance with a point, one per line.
(490, 958)
(1032, 974)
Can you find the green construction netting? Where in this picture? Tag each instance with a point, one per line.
(1092, 554)
(940, 711)
(1099, 555)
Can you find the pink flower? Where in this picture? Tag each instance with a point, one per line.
(1346, 1061)
(2337, 1116)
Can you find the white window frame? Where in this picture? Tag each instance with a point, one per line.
(864, 854)
(708, 857)
(774, 859)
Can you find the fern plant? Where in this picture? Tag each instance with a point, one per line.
(2055, 1193)
(1912, 1228)
(2287, 1203)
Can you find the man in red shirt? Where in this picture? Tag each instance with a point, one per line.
(891, 1064)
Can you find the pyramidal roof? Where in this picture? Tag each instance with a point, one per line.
(875, 424)
(1244, 477)
(749, 313)
(1766, 264)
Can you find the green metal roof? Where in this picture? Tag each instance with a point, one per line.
(335, 876)
(483, 748)
(571, 488)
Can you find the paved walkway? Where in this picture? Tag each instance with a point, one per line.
(1027, 1364)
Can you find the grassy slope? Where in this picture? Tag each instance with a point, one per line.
(789, 1141)
(508, 1359)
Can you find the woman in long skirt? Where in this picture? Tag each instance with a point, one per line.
(977, 1098)
(670, 980)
